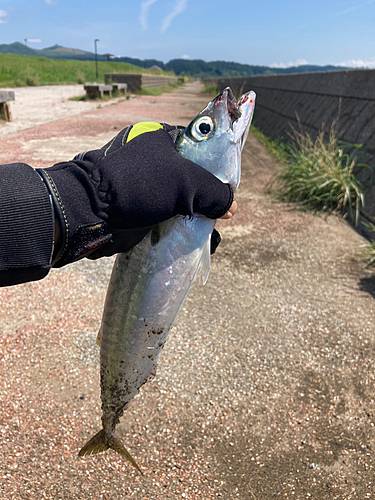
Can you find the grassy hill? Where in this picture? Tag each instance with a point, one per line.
(195, 68)
(21, 70)
(54, 52)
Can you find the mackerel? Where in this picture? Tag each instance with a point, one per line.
(150, 282)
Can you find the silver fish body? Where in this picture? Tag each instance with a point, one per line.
(150, 283)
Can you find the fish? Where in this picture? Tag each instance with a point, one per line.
(150, 282)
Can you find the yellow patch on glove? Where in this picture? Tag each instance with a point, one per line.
(142, 128)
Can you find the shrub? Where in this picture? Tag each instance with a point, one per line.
(81, 77)
(32, 80)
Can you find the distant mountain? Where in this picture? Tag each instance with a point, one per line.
(219, 69)
(54, 52)
(17, 48)
(195, 68)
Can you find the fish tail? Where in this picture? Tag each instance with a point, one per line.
(101, 442)
(99, 338)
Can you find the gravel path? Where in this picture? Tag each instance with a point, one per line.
(265, 388)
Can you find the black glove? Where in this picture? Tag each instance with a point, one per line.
(108, 199)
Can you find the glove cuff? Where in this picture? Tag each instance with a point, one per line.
(82, 231)
(60, 216)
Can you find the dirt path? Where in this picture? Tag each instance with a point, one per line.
(265, 388)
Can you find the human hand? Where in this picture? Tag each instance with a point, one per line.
(108, 199)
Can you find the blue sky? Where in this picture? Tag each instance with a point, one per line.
(264, 32)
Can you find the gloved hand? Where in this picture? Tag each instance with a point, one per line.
(108, 199)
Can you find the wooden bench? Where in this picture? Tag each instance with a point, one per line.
(120, 88)
(95, 90)
(5, 97)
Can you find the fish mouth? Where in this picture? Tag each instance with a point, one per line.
(231, 102)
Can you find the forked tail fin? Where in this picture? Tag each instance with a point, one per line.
(101, 442)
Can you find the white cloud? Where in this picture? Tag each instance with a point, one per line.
(34, 40)
(299, 62)
(51, 2)
(3, 14)
(178, 8)
(350, 9)
(145, 7)
(185, 56)
(358, 63)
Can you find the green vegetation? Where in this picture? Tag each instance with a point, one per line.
(209, 88)
(81, 77)
(277, 147)
(105, 98)
(18, 70)
(318, 174)
(370, 248)
(158, 90)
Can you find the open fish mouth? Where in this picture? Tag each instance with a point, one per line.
(231, 102)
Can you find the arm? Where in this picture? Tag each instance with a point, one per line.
(26, 225)
(101, 203)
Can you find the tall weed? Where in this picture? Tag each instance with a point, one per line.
(81, 77)
(32, 81)
(319, 174)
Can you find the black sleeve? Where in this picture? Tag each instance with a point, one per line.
(26, 225)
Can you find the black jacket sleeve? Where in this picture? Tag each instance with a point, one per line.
(26, 225)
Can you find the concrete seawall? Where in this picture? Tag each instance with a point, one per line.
(313, 100)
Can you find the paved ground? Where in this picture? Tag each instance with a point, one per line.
(36, 105)
(265, 388)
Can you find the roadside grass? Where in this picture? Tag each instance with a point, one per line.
(369, 248)
(317, 174)
(105, 98)
(277, 147)
(20, 71)
(156, 91)
(209, 88)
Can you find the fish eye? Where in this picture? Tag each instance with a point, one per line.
(205, 128)
(202, 128)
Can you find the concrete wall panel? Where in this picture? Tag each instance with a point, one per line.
(317, 99)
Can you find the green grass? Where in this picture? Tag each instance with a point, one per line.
(277, 147)
(318, 174)
(103, 99)
(19, 71)
(369, 247)
(209, 88)
(155, 91)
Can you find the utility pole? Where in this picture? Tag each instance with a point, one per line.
(96, 58)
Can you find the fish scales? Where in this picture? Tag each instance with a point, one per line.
(149, 283)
